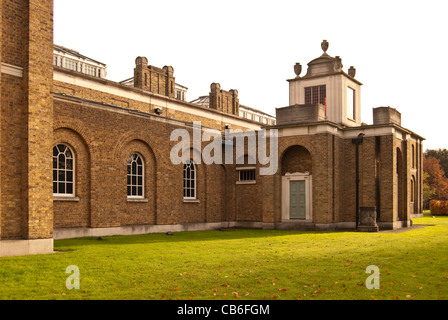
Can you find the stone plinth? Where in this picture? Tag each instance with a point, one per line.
(367, 220)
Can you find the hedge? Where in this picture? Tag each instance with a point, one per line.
(438, 207)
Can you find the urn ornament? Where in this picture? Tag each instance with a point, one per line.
(324, 45)
(297, 69)
(352, 72)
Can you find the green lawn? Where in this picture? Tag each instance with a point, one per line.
(239, 264)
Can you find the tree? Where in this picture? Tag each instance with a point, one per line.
(442, 155)
(435, 179)
(428, 192)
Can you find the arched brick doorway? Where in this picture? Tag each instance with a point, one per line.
(296, 168)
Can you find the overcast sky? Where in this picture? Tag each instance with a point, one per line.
(398, 48)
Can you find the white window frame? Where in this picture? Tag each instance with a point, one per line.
(190, 179)
(240, 170)
(351, 112)
(131, 174)
(70, 64)
(65, 194)
(90, 70)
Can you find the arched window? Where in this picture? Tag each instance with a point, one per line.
(413, 156)
(189, 180)
(63, 171)
(135, 176)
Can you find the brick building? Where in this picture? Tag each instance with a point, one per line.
(85, 156)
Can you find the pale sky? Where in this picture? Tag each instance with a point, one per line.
(397, 47)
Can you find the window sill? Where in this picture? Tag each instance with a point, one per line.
(191, 200)
(246, 182)
(137, 200)
(66, 198)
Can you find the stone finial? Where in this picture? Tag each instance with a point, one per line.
(215, 86)
(168, 69)
(324, 45)
(352, 72)
(141, 61)
(297, 69)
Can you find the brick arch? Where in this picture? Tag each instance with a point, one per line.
(296, 158)
(77, 127)
(144, 212)
(128, 138)
(69, 214)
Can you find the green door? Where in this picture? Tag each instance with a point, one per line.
(297, 199)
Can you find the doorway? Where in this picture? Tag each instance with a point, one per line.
(296, 196)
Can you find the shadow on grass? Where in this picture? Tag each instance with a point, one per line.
(215, 235)
(184, 236)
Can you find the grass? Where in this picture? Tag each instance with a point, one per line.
(238, 265)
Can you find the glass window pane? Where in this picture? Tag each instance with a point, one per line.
(61, 161)
(61, 175)
(69, 188)
(69, 164)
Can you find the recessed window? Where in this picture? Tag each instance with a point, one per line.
(135, 176)
(63, 171)
(350, 103)
(413, 156)
(189, 180)
(246, 175)
(316, 94)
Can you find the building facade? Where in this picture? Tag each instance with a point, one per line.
(85, 156)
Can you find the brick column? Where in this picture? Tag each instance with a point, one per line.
(37, 84)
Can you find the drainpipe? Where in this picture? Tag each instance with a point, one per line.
(357, 141)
